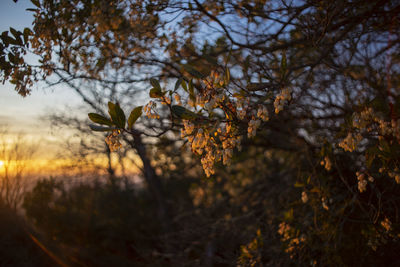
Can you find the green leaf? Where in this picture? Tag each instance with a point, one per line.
(12, 58)
(121, 116)
(227, 76)
(7, 39)
(117, 114)
(238, 95)
(15, 32)
(192, 71)
(155, 84)
(19, 40)
(27, 33)
(257, 86)
(4, 34)
(288, 215)
(97, 118)
(384, 145)
(191, 91)
(178, 83)
(210, 59)
(315, 190)
(298, 184)
(111, 110)
(184, 85)
(36, 3)
(178, 110)
(379, 103)
(183, 113)
(370, 156)
(98, 128)
(156, 93)
(135, 114)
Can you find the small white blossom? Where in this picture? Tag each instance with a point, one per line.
(241, 114)
(262, 113)
(252, 127)
(177, 98)
(324, 203)
(209, 106)
(304, 197)
(227, 155)
(281, 99)
(149, 110)
(350, 142)
(327, 163)
(386, 224)
(362, 182)
(112, 140)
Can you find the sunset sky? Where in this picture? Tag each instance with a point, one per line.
(19, 114)
(25, 114)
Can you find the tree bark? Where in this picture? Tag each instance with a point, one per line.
(152, 180)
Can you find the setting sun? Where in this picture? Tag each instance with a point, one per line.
(1, 163)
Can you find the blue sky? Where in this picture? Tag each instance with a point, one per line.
(23, 114)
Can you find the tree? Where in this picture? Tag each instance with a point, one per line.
(15, 153)
(312, 78)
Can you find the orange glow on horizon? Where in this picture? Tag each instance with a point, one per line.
(55, 167)
(25, 154)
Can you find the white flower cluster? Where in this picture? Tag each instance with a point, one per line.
(242, 104)
(368, 121)
(262, 113)
(351, 142)
(199, 141)
(281, 99)
(217, 141)
(362, 181)
(213, 81)
(284, 230)
(112, 140)
(203, 142)
(227, 155)
(177, 98)
(386, 224)
(252, 127)
(395, 174)
(327, 163)
(210, 105)
(288, 235)
(207, 161)
(241, 114)
(324, 203)
(165, 100)
(304, 197)
(362, 119)
(208, 101)
(396, 129)
(149, 110)
(187, 129)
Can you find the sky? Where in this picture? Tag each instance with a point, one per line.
(24, 114)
